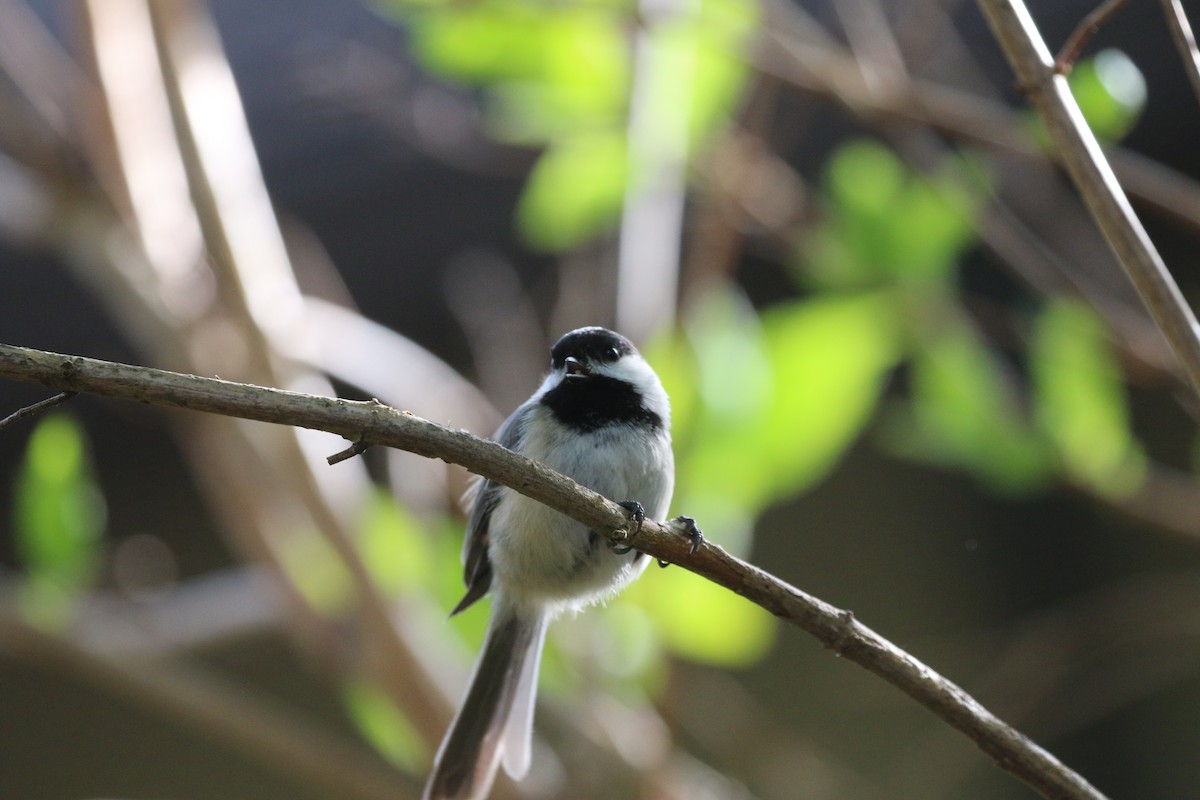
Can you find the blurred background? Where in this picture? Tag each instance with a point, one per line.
(907, 377)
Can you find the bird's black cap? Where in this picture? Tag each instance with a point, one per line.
(593, 344)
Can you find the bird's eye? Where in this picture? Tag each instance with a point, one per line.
(611, 354)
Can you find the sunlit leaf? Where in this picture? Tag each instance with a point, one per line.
(481, 42)
(721, 34)
(393, 547)
(702, 621)
(671, 355)
(965, 413)
(59, 511)
(383, 725)
(576, 189)
(930, 229)
(721, 475)
(316, 570)
(1110, 91)
(887, 224)
(582, 85)
(779, 400)
(1081, 399)
(560, 76)
(830, 357)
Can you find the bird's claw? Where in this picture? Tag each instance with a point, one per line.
(637, 515)
(685, 526)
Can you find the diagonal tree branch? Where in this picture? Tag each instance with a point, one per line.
(373, 423)
(1185, 41)
(1083, 159)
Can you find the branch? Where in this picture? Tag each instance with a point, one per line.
(36, 408)
(1080, 154)
(1185, 41)
(1083, 33)
(826, 70)
(376, 424)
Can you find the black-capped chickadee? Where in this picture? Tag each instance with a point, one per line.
(601, 417)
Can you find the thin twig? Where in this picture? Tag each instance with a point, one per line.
(36, 408)
(381, 425)
(1084, 161)
(1083, 34)
(1185, 41)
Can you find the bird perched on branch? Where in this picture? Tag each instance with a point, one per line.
(601, 417)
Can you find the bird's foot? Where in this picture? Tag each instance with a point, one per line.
(637, 515)
(685, 526)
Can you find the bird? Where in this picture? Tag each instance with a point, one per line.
(601, 417)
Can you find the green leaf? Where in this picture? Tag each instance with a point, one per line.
(831, 357)
(720, 38)
(722, 476)
(930, 228)
(59, 517)
(316, 570)
(1111, 93)
(383, 725)
(673, 360)
(576, 189)
(779, 400)
(582, 83)
(865, 178)
(393, 548)
(965, 413)
(559, 75)
(60, 512)
(887, 224)
(1081, 399)
(481, 42)
(702, 621)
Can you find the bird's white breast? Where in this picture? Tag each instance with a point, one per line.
(541, 555)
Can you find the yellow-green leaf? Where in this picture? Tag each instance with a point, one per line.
(383, 725)
(700, 620)
(1081, 399)
(60, 513)
(576, 188)
(1110, 91)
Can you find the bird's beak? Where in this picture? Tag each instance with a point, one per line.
(575, 368)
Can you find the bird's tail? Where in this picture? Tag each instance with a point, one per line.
(496, 718)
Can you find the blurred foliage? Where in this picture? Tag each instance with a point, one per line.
(383, 725)
(1080, 397)
(1111, 93)
(765, 403)
(886, 225)
(964, 410)
(316, 571)
(764, 406)
(393, 548)
(557, 76)
(59, 519)
(694, 618)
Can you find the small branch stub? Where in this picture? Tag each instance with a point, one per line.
(356, 449)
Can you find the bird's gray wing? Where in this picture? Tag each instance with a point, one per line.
(485, 494)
